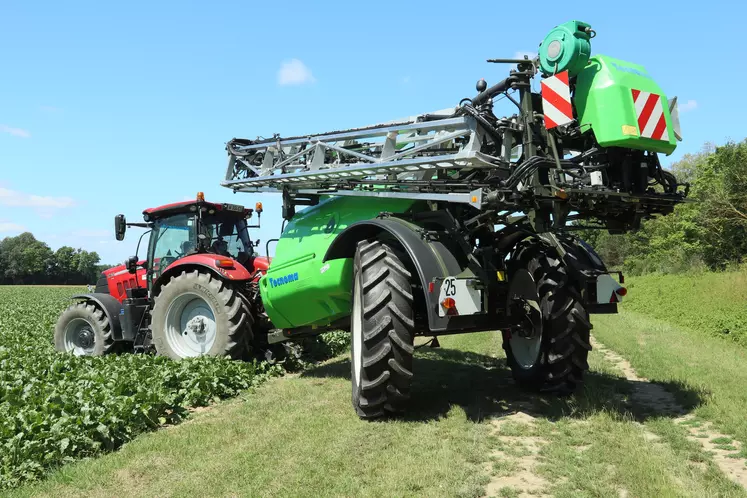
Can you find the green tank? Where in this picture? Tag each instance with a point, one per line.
(566, 48)
(623, 106)
(429, 225)
(301, 289)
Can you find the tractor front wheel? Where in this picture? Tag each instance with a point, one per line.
(197, 314)
(548, 348)
(84, 330)
(382, 326)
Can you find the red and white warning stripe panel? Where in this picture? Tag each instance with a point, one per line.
(649, 112)
(556, 100)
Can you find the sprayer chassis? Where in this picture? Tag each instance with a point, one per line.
(459, 221)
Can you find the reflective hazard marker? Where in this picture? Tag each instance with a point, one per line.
(556, 100)
(649, 112)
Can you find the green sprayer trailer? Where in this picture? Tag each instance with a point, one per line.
(461, 221)
(442, 223)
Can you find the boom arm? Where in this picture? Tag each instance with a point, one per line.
(468, 155)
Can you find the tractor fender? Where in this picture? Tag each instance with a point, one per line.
(580, 255)
(430, 258)
(238, 273)
(577, 255)
(261, 263)
(110, 306)
(583, 266)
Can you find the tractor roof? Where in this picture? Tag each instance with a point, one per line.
(191, 206)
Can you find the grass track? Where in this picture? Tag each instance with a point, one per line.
(705, 372)
(299, 436)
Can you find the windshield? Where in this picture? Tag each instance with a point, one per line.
(177, 236)
(171, 238)
(227, 237)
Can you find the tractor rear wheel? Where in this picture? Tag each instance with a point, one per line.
(548, 349)
(197, 314)
(382, 326)
(84, 330)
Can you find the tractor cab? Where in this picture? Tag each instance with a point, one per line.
(198, 227)
(194, 227)
(181, 312)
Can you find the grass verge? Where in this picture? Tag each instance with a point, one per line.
(298, 435)
(709, 302)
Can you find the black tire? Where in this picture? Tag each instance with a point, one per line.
(565, 341)
(382, 324)
(82, 324)
(232, 318)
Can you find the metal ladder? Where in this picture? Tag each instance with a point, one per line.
(395, 159)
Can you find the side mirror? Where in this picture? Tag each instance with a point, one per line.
(120, 226)
(131, 264)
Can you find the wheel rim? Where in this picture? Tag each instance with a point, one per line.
(80, 339)
(526, 341)
(190, 326)
(357, 331)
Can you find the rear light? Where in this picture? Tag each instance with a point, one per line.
(224, 263)
(430, 287)
(621, 292)
(450, 306)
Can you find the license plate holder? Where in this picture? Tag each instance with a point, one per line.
(233, 207)
(467, 297)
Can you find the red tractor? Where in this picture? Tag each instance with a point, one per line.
(193, 295)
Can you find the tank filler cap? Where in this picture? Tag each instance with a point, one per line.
(566, 48)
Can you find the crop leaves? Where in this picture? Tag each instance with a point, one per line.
(56, 408)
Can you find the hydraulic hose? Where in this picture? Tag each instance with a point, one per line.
(494, 90)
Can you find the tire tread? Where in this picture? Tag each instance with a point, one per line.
(387, 330)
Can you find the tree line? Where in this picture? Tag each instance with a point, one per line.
(26, 260)
(709, 233)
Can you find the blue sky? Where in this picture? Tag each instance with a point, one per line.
(115, 107)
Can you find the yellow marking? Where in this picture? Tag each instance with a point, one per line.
(501, 275)
(630, 130)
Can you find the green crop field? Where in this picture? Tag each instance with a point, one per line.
(56, 408)
(478, 433)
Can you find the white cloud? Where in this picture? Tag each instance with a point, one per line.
(294, 72)
(521, 53)
(13, 198)
(690, 105)
(6, 226)
(16, 132)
